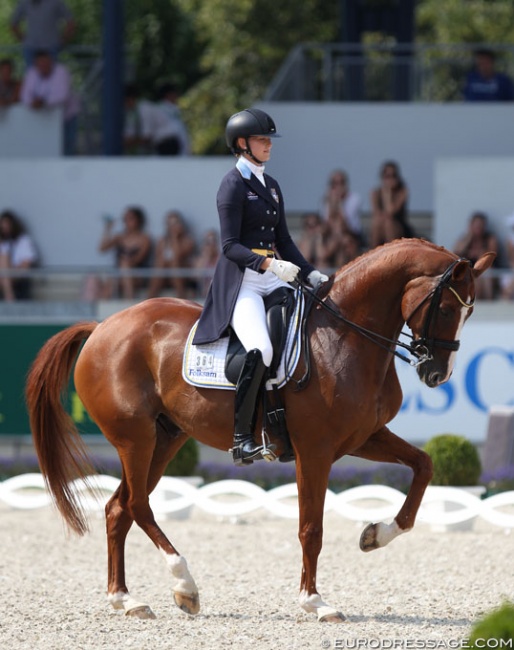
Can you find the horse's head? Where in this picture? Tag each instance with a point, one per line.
(435, 309)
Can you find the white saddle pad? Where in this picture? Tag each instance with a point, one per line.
(204, 365)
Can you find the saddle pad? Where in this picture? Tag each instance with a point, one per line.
(204, 365)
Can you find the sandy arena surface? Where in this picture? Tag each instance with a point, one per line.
(424, 586)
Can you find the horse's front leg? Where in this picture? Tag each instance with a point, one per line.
(312, 479)
(385, 446)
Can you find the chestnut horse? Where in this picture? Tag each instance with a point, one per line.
(129, 378)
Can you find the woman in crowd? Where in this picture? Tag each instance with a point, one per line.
(389, 206)
(17, 251)
(174, 250)
(476, 241)
(132, 246)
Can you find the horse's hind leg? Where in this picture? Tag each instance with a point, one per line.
(385, 446)
(144, 459)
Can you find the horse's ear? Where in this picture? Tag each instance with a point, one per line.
(460, 270)
(483, 263)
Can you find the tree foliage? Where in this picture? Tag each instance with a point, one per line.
(245, 44)
(225, 53)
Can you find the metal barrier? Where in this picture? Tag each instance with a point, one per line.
(379, 71)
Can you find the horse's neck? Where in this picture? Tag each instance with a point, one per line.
(370, 290)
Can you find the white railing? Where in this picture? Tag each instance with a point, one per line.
(231, 498)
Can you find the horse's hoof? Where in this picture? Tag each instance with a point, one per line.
(142, 611)
(368, 540)
(332, 617)
(190, 604)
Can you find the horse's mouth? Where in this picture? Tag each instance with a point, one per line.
(432, 377)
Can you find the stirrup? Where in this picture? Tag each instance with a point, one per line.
(268, 451)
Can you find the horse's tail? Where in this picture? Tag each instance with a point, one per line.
(60, 450)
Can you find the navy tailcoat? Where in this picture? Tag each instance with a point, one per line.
(251, 216)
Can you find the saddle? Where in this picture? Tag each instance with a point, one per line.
(279, 307)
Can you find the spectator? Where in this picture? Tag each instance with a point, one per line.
(507, 285)
(311, 242)
(132, 246)
(9, 85)
(148, 128)
(49, 26)
(340, 203)
(389, 206)
(476, 241)
(174, 251)
(17, 251)
(177, 145)
(208, 258)
(484, 83)
(47, 84)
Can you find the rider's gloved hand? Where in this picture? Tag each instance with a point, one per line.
(286, 271)
(315, 278)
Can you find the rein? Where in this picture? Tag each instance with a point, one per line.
(421, 348)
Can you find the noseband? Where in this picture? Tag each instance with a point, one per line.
(421, 348)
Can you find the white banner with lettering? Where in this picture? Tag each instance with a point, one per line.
(483, 378)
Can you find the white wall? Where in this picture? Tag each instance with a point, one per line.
(24, 132)
(63, 200)
(465, 185)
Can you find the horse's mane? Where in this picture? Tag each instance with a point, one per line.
(378, 252)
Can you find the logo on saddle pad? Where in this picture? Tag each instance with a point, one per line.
(204, 365)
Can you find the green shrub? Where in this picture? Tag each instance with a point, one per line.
(185, 461)
(456, 461)
(498, 625)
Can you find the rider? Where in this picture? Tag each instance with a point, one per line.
(253, 231)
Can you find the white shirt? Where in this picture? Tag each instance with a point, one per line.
(20, 251)
(351, 207)
(152, 122)
(247, 168)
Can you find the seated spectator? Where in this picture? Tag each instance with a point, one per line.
(49, 25)
(9, 85)
(47, 84)
(484, 83)
(149, 129)
(208, 258)
(17, 251)
(340, 203)
(389, 206)
(177, 145)
(311, 242)
(133, 247)
(476, 241)
(174, 251)
(507, 284)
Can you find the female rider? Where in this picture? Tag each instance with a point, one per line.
(253, 232)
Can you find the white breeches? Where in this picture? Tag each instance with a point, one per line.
(249, 317)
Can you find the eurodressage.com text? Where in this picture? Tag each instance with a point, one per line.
(413, 644)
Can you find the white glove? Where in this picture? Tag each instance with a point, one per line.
(315, 278)
(286, 271)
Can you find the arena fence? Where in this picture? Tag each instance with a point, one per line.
(442, 507)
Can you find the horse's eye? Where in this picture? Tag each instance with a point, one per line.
(444, 311)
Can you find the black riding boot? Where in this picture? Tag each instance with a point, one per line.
(248, 389)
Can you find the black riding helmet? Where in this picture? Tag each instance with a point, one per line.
(251, 121)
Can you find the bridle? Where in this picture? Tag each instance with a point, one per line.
(422, 348)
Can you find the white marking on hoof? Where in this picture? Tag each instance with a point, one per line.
(379, 535)
(185, 590)
(132, 607)
(313, 604)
